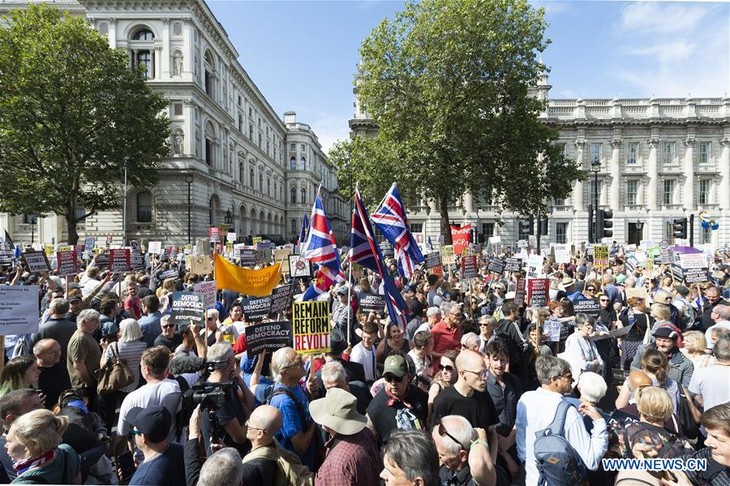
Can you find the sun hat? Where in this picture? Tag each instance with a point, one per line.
(338, 411)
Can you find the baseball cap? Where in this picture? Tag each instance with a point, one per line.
(154, 422)
(395, 365)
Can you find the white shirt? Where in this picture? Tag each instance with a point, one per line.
(366, 359)
(165, 392)
(536, 411)
(713, 383)
(579, 352)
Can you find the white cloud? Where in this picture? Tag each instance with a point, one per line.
(650, 18)
(670, 52)
(329, 128)
(552, 7)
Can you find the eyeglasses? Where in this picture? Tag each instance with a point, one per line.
(248, 425)
(298, 362)
(591, 289)
(167, 326)
(603, 300)
(390, 378)
(448, 368)
(442, 431)
(481, 374)
(134, 431)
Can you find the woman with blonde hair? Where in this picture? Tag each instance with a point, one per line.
(695, 346)
(655, 407)
(34, 445)
(19, 372)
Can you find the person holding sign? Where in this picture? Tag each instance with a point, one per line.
(580, 351)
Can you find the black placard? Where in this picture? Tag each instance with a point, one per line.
(267, 336)
(281, 298)
(496, 265)
(372, 303)
(432, 259)
(513, 264)
(186, 307)
(590, 307)
(256, 308)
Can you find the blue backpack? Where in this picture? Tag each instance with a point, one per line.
(557, 462)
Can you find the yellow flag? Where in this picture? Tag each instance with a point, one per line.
(258, 283)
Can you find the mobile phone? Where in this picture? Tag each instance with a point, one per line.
(125, 464)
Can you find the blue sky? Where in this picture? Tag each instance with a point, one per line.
(302, 54)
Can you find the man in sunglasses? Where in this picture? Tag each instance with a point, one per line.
(399, 405)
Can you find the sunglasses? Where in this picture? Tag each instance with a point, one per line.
(248, 425)
(443, 432)
(603, 300)
(591, 289)
(210, 318)
(167, 326)
(448, 368)
(390, 378)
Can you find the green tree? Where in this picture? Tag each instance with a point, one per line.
(447, 81)
(72, 116)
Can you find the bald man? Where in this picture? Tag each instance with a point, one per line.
(53, 378)
(469, 397)
(263, 423)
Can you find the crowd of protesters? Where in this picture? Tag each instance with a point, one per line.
(455, 397)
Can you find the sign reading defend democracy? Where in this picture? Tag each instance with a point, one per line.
(186, 307)
(372, 303)
(255, 309)
(311, 323)
(267, 336)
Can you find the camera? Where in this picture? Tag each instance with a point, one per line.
(211, 396)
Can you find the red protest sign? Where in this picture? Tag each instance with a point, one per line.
(67, 262)
(538, 292)
(120, 260)
(460, 238)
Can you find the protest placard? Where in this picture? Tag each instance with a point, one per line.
(154, 247)
(469, 267)
(299, 266)
(372, 303)
(496, 265)
(438, 270)
(256, 308)
(535, 266)
(447, 255)
(169, 274)
(386, 249)
(89, 243)
(35, 261)
(281, 298)
(520, 289)
(281, 255)
(600, 256)
(538, 292)
(136, 260)
(120, 260)
(201, 264)
(584, 305)
(267, 336)
(18, 309)
(551, 330)
(432, 259)
(208, 291)
(311, 325)
(67, 262)
(690, 267)
(186, 307)
(562, 253)
(214, 234)
(512, 264)
(249, 257)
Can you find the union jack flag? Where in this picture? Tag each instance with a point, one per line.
(391, 220)
(365, 251)
(320, 248)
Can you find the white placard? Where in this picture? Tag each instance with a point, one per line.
(562, 253)
(154, 247)
(208, 291)
(18, 309)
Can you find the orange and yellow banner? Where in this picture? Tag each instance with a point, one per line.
(257, 283)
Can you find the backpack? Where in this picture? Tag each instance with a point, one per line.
(289, 470)
(557, 462)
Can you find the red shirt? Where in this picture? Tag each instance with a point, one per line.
(445, 338)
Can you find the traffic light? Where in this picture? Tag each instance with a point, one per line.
(591, 227)
(526, 226)
(679, 228)
(604, 224)
(542, 224)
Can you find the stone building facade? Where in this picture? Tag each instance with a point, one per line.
(231, 155)
(657, 160)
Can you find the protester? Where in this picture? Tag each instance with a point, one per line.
(364, 352)
(410, 458)
(18, 373)
(57, 327)
(444, 378)
(666, 337)
(84, 353)
(169, 337)
(463, 453)
(13, 405)
(53, 375)
(710, 386)
(150, 322)
(639, 321)
(163, 460)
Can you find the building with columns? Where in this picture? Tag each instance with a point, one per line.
(231, 154)
(657, 159)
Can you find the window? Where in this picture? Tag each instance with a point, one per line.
(523, 229)
(250, 177)
(303, 147)
(293, 147)
(260, 140)
(704, 196)
(250, 132)
(293, 163)
(177, 109)
(632, 191)
(559, 201)
(144, 207)
(487, 230)
(80, 213)
(416, 227)
(705, 152)
(595, 153)
(669, 152)
(209, 74)
(240, 123)
(294, 224)
(30, 218)
(261, 182)
(304, 196)
(303, 160)
(561, 233)
(142, 51)
(293, 199)
(705, 235)
(632, 156)
(209, 152)
(240, 172)
(668, 192)
(144, 35)
(144, 58)
(268, 186)
(596, 188)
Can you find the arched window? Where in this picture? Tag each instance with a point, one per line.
(240, 172)
(210, 138)
(261, 181)
(293, 195)
(293, 163)
(251, 177)
(144, 207)
(304, 163)
(304, 196)
(209, 74)
(141, 51)
(144, 35)
(268, 186)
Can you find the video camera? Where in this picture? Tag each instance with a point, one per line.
(211, 396)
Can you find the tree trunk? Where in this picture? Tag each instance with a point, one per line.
(444, 212)
(73, 236)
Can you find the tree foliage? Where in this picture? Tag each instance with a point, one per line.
(447, 83)
(71, 112)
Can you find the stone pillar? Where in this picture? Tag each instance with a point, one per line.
(615, 171)
(724, 166)
(113, 33)
(653, 174)
(577, 195)
(165, 52)
(689, 174)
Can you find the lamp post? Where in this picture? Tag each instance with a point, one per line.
(228, 220)
(124, 205)
(32, 220)
(189, 182)
(595, 168)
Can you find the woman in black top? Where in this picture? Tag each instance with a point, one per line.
(639, 320)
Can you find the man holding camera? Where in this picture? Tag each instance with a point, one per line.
(226, 422)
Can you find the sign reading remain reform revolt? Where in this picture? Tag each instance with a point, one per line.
(311, 323)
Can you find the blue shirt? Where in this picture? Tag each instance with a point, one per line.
(292, 423)
(165, 469)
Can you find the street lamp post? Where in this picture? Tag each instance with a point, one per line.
(595, 168)
(189, 182)
(32, 220)
(124, 206)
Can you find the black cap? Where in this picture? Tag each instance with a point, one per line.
(154, 422)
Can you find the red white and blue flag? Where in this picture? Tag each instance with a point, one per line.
(391, 220)
(365, 251)
(303, 231)
(320, 248)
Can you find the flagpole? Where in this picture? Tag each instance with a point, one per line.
(349, 277)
